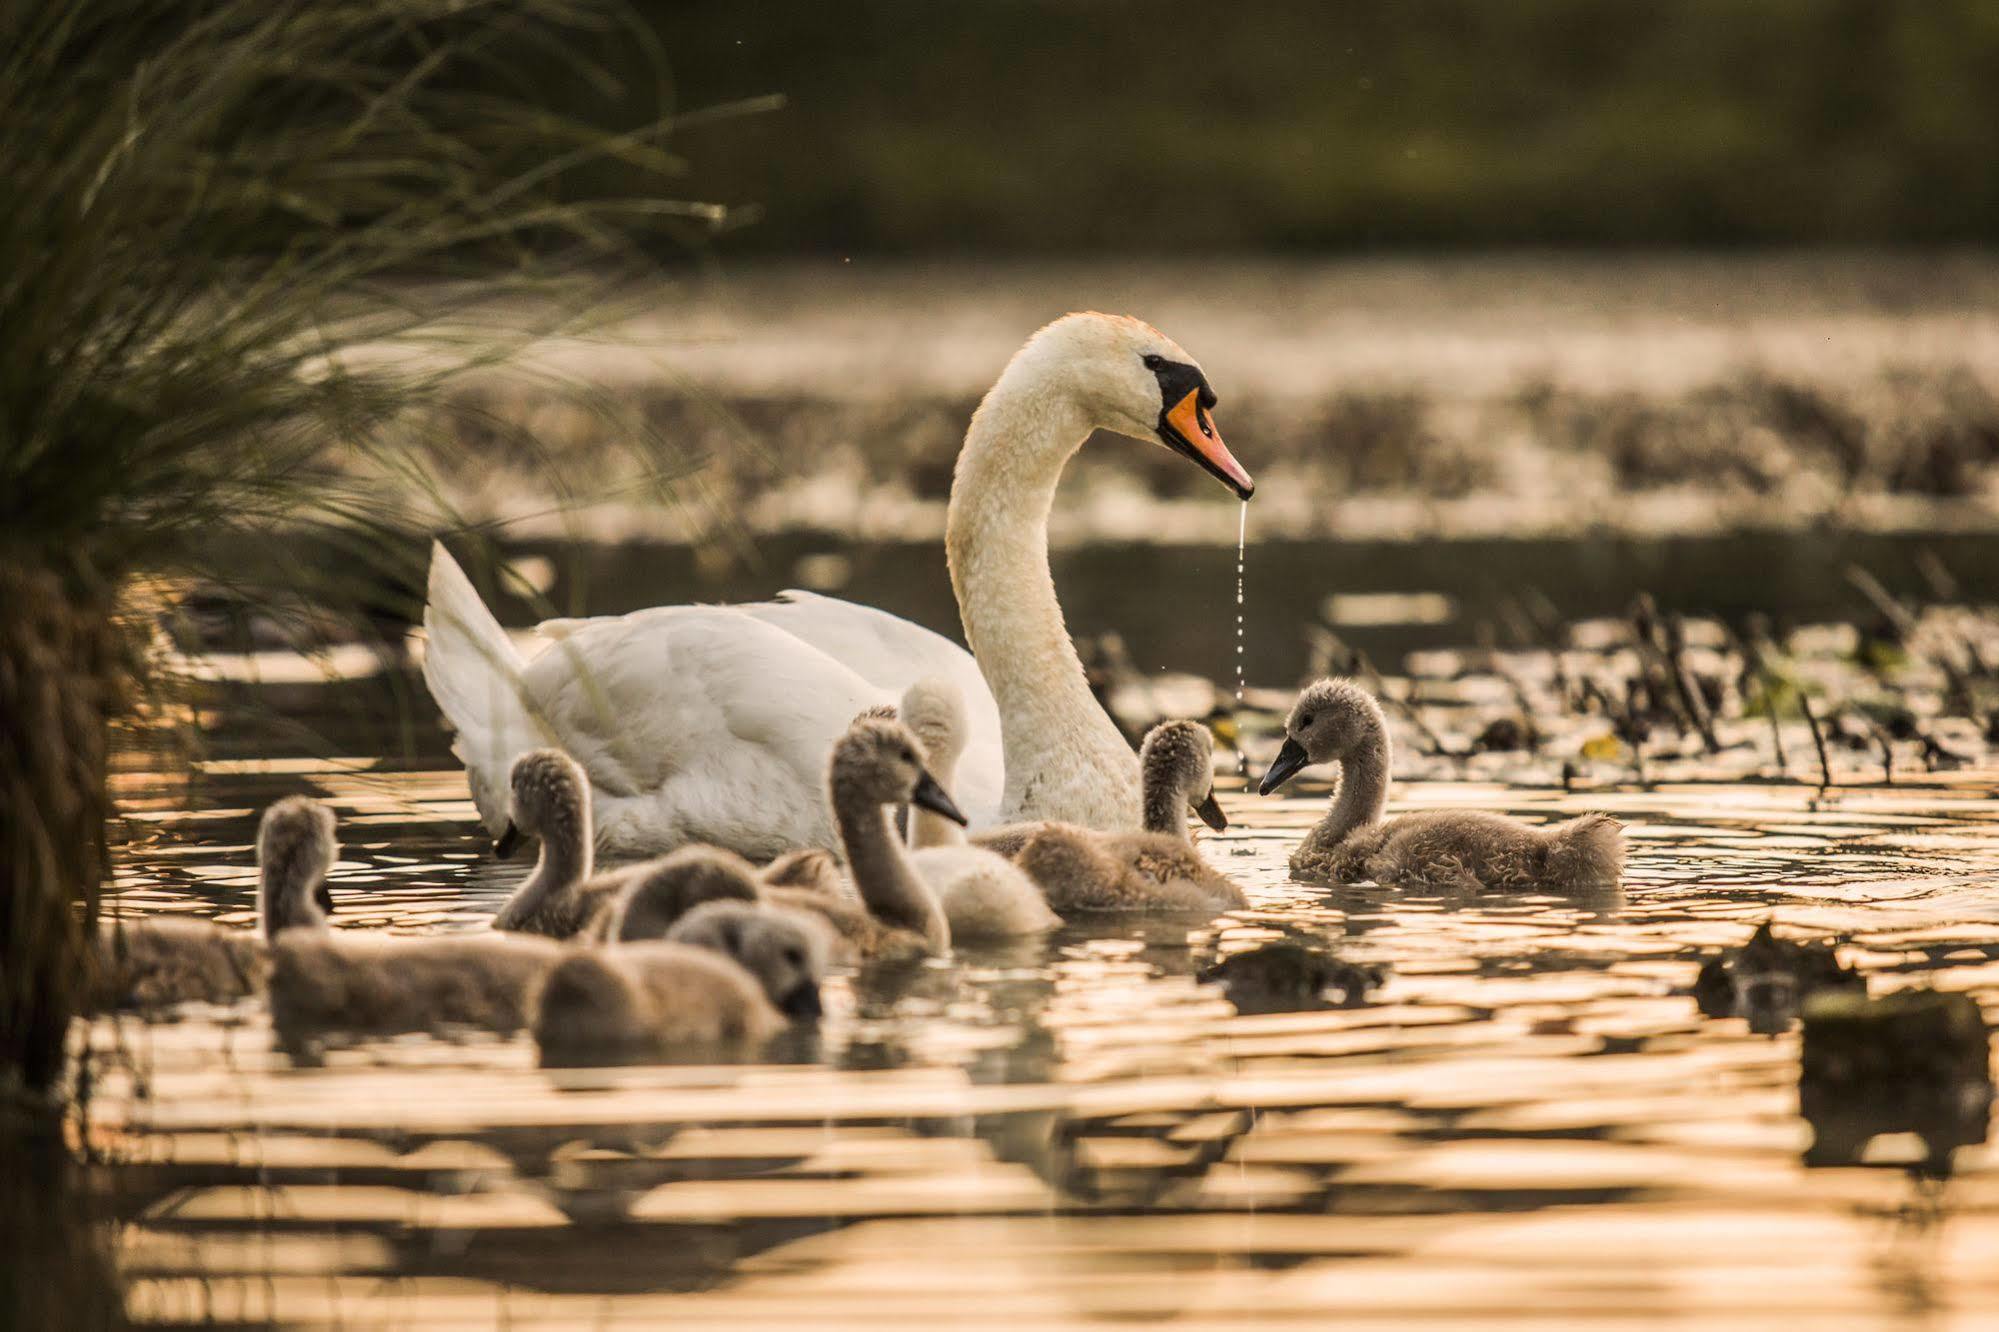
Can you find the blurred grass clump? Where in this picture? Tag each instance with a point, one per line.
(248, 248)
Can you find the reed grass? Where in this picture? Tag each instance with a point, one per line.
(249, 250)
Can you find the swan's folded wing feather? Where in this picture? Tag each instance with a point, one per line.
(881, 650)
(639, 699)
(892, 653)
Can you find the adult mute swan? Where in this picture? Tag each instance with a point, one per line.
(712, 723)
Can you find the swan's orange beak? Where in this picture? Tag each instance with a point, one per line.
(1188, 429)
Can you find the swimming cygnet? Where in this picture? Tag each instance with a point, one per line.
(984, 895)
(876, 767)
(1154, 870)
(1336, 721)
(550, 800)
(351, 981)
(725, 980)
(152, 963)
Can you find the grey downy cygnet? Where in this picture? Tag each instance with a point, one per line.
(154, 963)
(1336, 721)
(549, 799)
(729, 977)
(876, 767)
(1158, 869)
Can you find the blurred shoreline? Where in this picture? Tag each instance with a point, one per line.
(1408, 398)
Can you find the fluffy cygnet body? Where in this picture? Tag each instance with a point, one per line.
(549, 799)
(729, 975)
(149, 964)
(1158, 869)
(649, 1000)
(377, 985)
(983, 894)
(1336, 721)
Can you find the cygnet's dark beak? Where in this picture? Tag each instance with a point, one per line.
(324, 896)
(1211, 814)
(933, 797)
(1289, 761)
(507, 841)
(802, 1004)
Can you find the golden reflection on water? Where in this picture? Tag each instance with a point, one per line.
(1528, 1118)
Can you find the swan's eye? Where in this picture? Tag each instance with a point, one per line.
(794, 957)
(1154, 360)
(1305, 722)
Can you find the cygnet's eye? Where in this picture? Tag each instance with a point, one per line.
(794, 957)
(1305, 722)
(1153, 360)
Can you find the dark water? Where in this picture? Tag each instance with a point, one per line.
(1172, 604)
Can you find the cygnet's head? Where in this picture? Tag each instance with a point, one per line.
(665, 890)
(1177, 766)
(785, 950)
(1128, 377)
(550, 796)
(295, 849)
(881, 763)
(934, 712)
(1332, 721)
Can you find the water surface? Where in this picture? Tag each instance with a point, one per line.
(1530, 1116)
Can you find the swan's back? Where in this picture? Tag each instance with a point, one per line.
(698, 727)
(350, 982)
(886, 652)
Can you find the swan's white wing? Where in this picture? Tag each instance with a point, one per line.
(892, 653)
(886, 651)
(705, 724)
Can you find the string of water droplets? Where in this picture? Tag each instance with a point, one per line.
(1241, 546)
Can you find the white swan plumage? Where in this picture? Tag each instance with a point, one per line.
(712, 723)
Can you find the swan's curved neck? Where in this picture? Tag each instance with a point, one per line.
(1064, 758)
(890, 886)
(1363, 793)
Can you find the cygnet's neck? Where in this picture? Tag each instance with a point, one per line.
(1363, 793)
(1064, 758)
(890, 886)
(564, 861)
(1165, 805)
(288, 888)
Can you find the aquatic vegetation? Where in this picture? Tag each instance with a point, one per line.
(210, 340)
